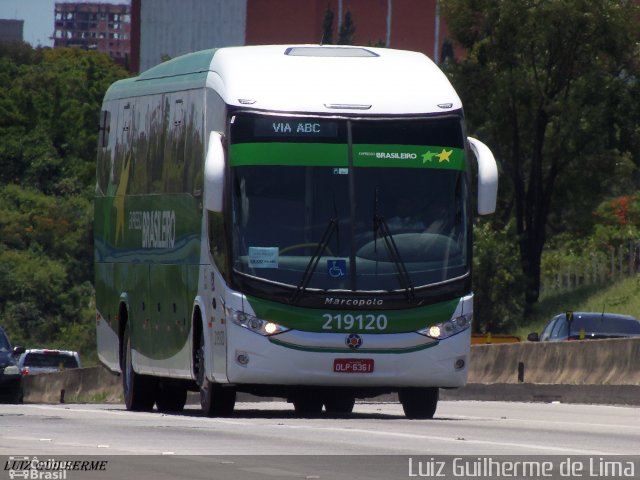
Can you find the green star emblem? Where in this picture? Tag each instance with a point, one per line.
(428, 157)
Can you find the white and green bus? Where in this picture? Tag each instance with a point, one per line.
(290, 221)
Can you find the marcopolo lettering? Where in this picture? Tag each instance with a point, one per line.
(354, 302)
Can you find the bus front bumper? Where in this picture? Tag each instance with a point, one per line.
(393, 360)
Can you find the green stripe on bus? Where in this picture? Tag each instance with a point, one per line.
(292, 154)
(336, 155)
(352, 351)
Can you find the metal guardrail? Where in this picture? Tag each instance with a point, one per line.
(489, 338)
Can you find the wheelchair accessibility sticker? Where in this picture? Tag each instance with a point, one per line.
(337, 268)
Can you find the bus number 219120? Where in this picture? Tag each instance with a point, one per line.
(360, 322)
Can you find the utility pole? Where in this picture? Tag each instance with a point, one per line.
(436, 40)
(389, 11)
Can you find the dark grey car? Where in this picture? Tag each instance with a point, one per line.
(587, 326)
(10, 374)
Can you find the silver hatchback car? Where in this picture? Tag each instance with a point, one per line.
(34, 361)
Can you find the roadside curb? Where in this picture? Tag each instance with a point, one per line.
(628, 395)
(536, 392)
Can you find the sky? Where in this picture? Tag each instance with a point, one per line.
(38, 17)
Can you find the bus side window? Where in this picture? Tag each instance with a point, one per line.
(105, 119)
(104, 155)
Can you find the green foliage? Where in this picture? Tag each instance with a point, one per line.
(49, 110)
(550, 86)
(616, 224)
(617, 221)
(497, 280)
(51, 103)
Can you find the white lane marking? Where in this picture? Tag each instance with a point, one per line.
(527, 446)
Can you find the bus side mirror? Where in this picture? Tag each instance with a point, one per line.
(487, 176)
(214, 173)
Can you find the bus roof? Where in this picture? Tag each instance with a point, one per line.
(305, 78)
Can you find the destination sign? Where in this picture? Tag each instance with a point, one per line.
(278, 127)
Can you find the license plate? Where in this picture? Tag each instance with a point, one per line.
(353, 365)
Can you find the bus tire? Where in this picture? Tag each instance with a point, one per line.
(336, 403)
(419, 403)
(139, 390)
(308, 403)
(215, 400)
(171, 398)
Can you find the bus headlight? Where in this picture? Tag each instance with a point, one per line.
(448, 328)
(253, 323)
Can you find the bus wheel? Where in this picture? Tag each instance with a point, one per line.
(308, 403)
(419, 403)
(171, 398)
(215, 400)
(139, 390)
(339, 403)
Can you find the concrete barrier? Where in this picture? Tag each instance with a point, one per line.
(547, 393)
(78, 385)
(590, 371)
(588, 362)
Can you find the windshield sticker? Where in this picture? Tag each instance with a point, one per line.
(337, 268)
(410, 156)
(263, 257)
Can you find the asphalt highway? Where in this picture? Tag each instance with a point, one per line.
(268, 440)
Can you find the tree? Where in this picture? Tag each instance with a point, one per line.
(327, 27)
(347, 33)
(548, 84)
(50, 103)
(497, 280)
(52, 100)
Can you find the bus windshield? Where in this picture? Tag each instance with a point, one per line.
(367, 205)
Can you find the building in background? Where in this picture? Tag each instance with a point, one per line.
(103, 27)
(404, 24)
(11, 30)
(166, 28)
(142, 33)
(161, 29)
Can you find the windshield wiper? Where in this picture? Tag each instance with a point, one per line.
(315, 258)
(380, 225)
